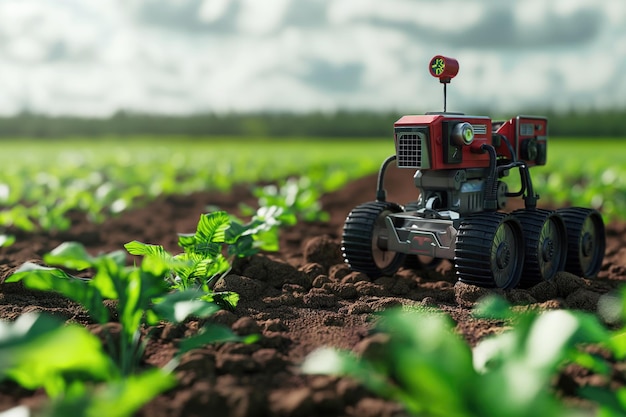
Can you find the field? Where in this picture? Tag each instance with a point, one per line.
(41, 180)
(108, 192)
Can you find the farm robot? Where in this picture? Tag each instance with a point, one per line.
(460, 161)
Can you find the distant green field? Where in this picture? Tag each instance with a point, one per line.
(40, 180)
(585, 172)
(199, 163)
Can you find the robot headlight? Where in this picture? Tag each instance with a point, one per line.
(463, 133)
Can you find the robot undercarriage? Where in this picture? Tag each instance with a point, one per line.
(489, 249)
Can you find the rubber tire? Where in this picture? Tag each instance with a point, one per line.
(477, 257)
(537, 268)
(585, 248)
(361, 231)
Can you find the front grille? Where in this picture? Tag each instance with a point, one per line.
(480, 129)
(409, 151)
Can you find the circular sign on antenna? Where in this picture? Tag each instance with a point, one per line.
(443, 68)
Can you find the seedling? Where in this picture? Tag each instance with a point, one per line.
(208, 253)
(297, 198)
(141, 293)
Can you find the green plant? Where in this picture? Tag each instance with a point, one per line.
(99, 178)
(208, 253)
(297, 198)
(202, 259)
(431, 371)
(42, 181)
(117, 398)
(141, 294)
(68, 362)
(611, 401)
(34, 352)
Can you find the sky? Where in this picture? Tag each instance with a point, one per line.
(97, 57)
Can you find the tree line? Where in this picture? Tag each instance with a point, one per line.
(343, 124)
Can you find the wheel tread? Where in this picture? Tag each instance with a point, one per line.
(356, 242)
(533, 221)
(574, 218)
(473, 249)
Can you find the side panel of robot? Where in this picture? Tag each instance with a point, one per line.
(528, 136)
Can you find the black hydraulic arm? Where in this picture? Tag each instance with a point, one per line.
(381, 194)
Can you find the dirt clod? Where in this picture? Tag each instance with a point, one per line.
(467, 295)
(323, 250)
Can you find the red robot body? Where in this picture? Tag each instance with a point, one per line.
(460, 162)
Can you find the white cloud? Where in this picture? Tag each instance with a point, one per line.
(183, 56)
(451, 15)
(261, 17)
(212, 10)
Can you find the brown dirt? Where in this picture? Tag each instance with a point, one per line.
(298, 300)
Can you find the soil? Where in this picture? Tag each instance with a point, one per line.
(299, 299)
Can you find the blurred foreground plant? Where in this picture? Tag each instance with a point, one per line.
(68, 362)
(141, 296)
(433, 372)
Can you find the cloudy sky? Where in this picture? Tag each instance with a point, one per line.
(94, 57)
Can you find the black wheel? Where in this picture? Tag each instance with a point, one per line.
(490, 250)
(546, 245)
(363, 244)
(586, 241)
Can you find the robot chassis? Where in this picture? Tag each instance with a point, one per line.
(460, 162)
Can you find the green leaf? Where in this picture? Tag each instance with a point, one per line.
(532, 351)
(212, 333)
(225, 299)
(493, 307)
(617, 342)
(162, 267)
(330, 361)
(120, 398)
(70, 255)
(234, 232)
(34, 352)
(6, 240)
(243, 247)
(178, 306)
(138, 248)
(187, 241)
(589, 361)
(28, 268)
(268, 241)
(611, 403)
(210, 233)
(431, 363)
(117, 256)
(42, 278)
(204, 268)
(335, 362)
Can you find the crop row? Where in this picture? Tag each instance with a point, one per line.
(41, 181)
